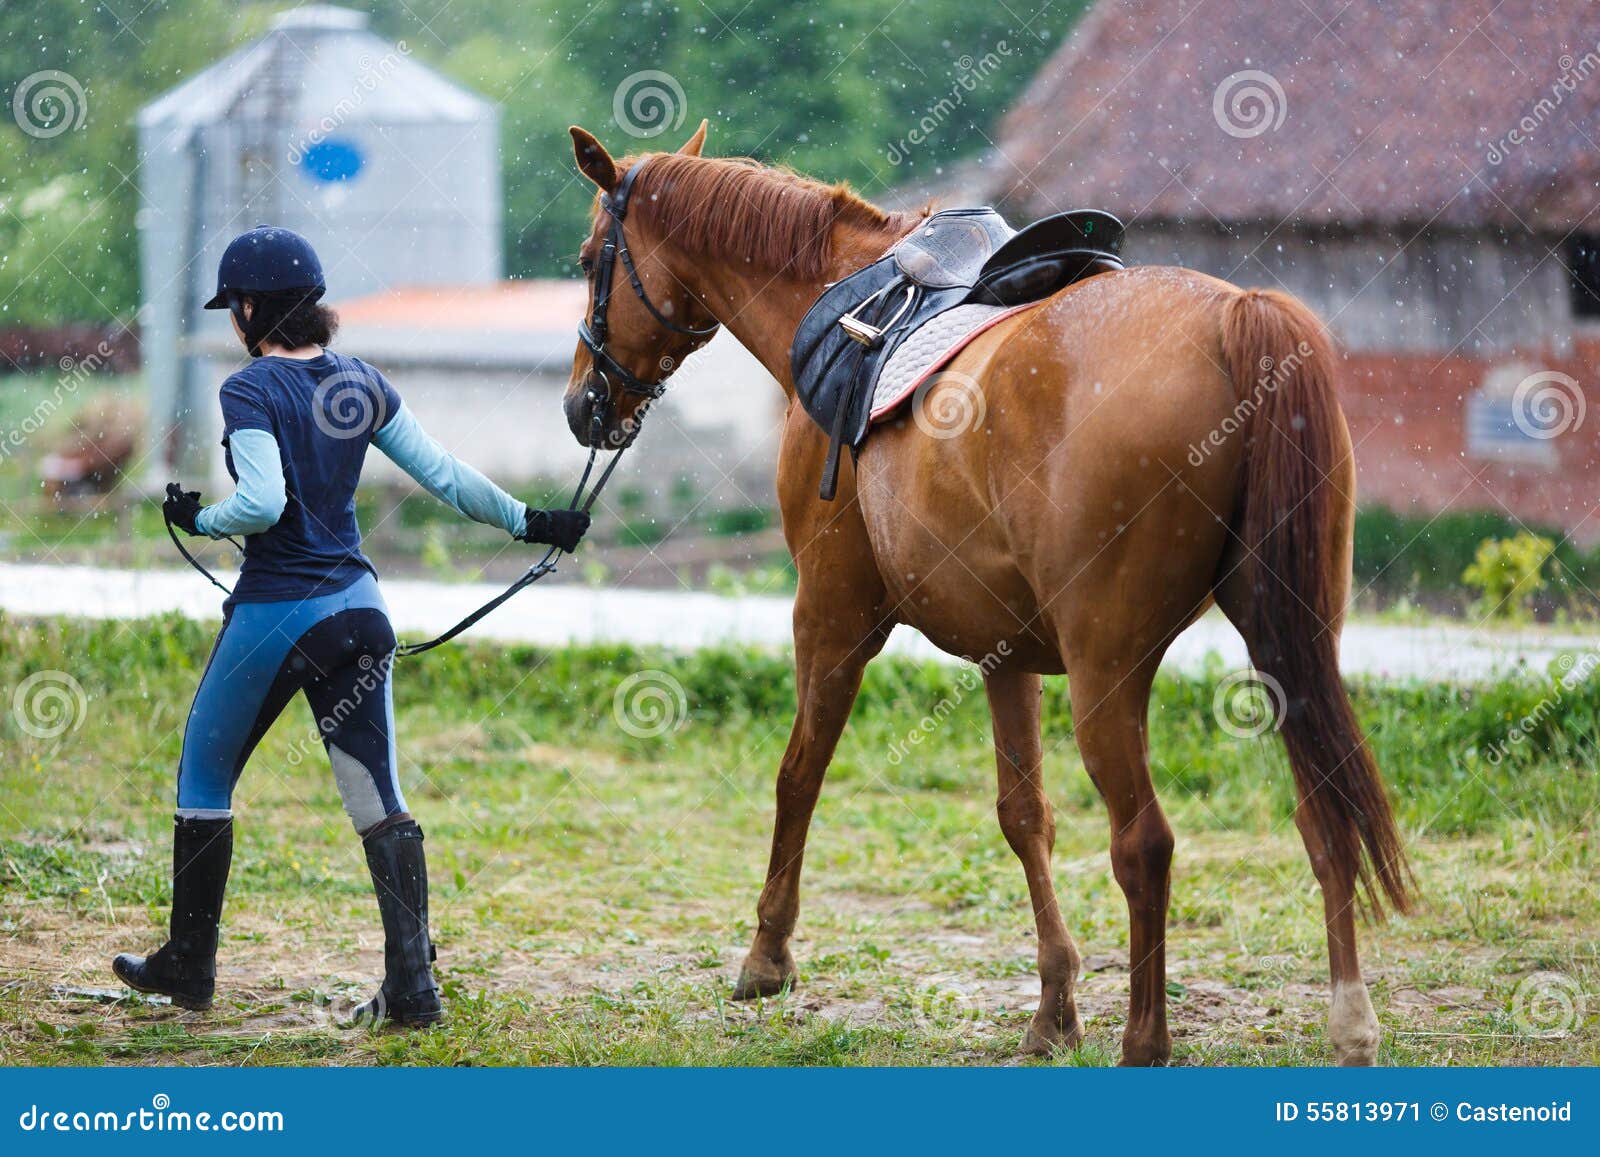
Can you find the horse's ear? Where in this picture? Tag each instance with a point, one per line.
(593, 159)
(694, 144)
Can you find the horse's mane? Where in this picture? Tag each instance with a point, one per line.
(773, 219)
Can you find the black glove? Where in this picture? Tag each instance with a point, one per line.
(181, 508)
(563, 528)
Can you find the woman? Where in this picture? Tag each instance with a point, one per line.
(306, 614)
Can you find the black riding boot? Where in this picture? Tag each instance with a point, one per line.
(185, 967)
(400, 878)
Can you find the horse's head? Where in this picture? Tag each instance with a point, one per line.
(642, 320)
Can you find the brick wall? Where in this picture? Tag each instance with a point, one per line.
(1408, 419)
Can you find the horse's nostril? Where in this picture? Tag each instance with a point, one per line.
(578, 408)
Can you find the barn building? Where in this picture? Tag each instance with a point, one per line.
(1424, 173)
(393, 172)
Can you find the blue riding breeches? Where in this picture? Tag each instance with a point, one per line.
(336, 648)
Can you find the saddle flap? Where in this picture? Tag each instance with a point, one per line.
(824, 357)
(1040, 277)
(1059, 232)
(950, 248)
(1050, 255)
(955, 257)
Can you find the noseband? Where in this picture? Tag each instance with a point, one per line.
(593, 331)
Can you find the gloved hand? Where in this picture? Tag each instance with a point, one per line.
(563, 528)
(181, 508)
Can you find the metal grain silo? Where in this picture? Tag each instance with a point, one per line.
(391, 170)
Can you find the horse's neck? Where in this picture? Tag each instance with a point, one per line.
(763, 310)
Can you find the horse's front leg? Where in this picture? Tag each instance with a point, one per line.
(827, 676)
(1029, 825)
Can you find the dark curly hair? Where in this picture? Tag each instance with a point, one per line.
(290, 320)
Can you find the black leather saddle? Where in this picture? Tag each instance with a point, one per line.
(955, 257)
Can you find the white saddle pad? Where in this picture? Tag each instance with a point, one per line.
(928, 349)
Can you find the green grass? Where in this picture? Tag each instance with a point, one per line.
(594, 892)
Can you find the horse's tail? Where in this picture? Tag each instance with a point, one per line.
(1296, 526)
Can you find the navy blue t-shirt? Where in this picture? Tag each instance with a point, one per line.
(323, 414)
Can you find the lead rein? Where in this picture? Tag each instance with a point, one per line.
(530, 576)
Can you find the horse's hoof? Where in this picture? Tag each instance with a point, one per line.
(1155, 1052)
(1041, 1040)
(1353, 1026)
(764, 978)
(1364, 1056)
(1145, 1061)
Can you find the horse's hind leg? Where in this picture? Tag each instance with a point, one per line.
(1030, 829)
(1352, 1024)
(1109, 704)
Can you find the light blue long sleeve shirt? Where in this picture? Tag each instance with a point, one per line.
(447, 478)
(259, 499)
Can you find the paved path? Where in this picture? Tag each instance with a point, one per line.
(554, 615)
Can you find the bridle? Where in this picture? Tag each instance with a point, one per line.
(593, 332)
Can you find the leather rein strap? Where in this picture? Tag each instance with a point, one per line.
(194, 562)
(535, 572)
(530, 576)
(593, 332)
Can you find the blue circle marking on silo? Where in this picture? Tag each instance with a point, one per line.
(332, 160)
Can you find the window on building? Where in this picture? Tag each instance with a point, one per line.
(1583, 259)
(1517, 414)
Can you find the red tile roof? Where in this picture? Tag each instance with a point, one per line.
(1399, 112)
(536, 306)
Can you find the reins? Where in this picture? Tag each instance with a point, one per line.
(183, 550)
(593, 332)
(547, 564)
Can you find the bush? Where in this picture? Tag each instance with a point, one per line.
(740, 520)
(1507, 573)
(642, 532)
(1417, 557)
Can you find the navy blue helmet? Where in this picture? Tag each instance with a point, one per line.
(268, 259)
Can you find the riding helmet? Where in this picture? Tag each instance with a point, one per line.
(268, 259)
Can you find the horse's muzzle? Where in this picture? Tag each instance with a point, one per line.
(579, 407)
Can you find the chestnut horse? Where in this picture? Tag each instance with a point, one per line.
(1134, 462)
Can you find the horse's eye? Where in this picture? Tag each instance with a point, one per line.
(586, 264)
